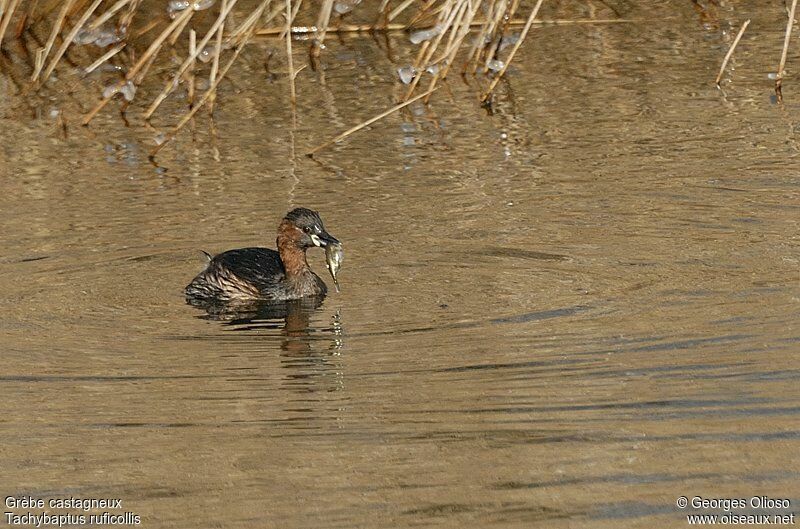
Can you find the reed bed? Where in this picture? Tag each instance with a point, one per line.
(202, 31)
(194, 43)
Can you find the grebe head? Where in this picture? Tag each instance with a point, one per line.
(305, 228)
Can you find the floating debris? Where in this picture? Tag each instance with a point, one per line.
(101, 37)
(107, 38)
(425, 34)
(433, 69)
(345, 6)
(334, 255)
(85, 36)
(177, 5)
(495, 65)
(128, 91)
(206, 54)
(407, 74)
(479, 42)
(110, 90)
(201, 5)
(160, 138)
(508, 40)
(181, 5)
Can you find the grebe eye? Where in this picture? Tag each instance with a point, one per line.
(307, 229)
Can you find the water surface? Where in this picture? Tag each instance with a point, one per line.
(565, 314)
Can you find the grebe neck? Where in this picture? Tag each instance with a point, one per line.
(292, 255)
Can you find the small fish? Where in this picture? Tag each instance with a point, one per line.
(334, 255)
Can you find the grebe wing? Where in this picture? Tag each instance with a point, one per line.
(259, 266)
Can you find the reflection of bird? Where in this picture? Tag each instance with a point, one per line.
(260, 273)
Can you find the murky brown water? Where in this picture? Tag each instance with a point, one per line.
(567, 314)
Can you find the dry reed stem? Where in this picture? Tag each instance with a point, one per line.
(68, 39)
(294, 15)
(509, 15)
(236, 36)
(486, 28)
(430, 50)
(453, 30)
(289, 60)
(394, 13)
(397, 27)
(173, 38)
(77, 7)
(9, 8)
(103, 58)
(426, 11)
(51, 39)
(522, 36)
(460, 30)
(151, 52)
(489, 42)
(786, 39)
(490, 52)
(192, 52)
(22, 23)
(370, 121)
(381, 19)
(730, 52)
(108, 14)
(416, 66)
(38, 61)
(140, 75)
(6, 20)
(211, 89)
(322, 28)
(127, 17)
(173, 82)
(448, 58)
(150, 26)
(252, 23)
(215, 62)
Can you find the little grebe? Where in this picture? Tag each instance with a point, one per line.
(261, 273)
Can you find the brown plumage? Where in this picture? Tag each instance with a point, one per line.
(265, 274)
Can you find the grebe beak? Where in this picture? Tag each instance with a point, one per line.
(323, 239)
